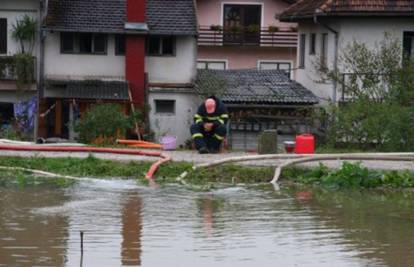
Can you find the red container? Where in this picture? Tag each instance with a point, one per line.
(305, 144)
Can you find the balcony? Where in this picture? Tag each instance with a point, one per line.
(264, 37)
(17, 72)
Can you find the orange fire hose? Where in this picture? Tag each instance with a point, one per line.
(149, 175)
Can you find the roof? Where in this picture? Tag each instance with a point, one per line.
(255, 87)
(87, 89)
(164, 17)
(309, 8)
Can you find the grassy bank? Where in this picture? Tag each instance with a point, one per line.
(348, 176)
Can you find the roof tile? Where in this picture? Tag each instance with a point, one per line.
(256, 87)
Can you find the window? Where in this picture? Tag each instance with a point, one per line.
(312, 44)
(165, 106)
(274, 65)
(83, 43)
(324, 49)
(408, 46)
(161, 46)
(241, 24)
(212, 65)
(302, 43)
(120, 44)
(3, 36)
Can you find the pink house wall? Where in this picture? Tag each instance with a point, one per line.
(210, 12)
(247, 57)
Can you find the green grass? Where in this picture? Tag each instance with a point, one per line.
(348, 176)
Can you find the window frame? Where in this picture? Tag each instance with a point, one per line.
(408, 44)
(161, 46)
(212, 61)
(324, 50)
(76, 43)
(158, 112)
(312, 44)
(118, 45)
(4, 36)
(302, 50)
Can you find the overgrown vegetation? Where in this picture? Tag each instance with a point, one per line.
(378, 113)
(352, 175)
(104, 123)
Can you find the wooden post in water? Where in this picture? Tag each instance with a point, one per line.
(81, 243)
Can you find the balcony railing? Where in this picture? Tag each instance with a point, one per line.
(209, 36)
(8, 71)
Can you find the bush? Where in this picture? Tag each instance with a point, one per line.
(379, 113)
(353, 175)
(103, 121)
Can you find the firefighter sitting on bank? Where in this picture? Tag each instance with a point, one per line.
(209, 128)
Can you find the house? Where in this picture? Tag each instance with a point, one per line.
(119, 51)
(259, 100)
(245, 35)
(12, 92)
(325, 28)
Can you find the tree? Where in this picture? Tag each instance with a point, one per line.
(378, 110)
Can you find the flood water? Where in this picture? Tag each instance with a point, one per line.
(129, 225)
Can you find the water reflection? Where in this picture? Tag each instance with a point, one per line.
(27, 239)
(131, 231)
(127, 225)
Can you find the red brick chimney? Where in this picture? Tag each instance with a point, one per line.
(135, 52)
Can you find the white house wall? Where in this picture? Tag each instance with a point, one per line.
(367, 30)
(58, 65)
(177, 124)
(13, 10)
(180, 68)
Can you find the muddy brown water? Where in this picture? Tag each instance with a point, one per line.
(129, 225)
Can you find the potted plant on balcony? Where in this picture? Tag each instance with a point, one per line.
(216, 28)
(235, 29)
(24, 32)
(272, 29)
(253, 29)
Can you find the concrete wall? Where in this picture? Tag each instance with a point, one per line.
(367, 30)
(180, 68)
(58, 65)
(177, 124)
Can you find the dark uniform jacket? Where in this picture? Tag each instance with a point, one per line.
(219, 117)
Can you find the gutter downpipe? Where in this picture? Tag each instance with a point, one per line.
(42, 35)
(335, 64)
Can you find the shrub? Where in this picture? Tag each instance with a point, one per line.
(378, 114)
(103, 121)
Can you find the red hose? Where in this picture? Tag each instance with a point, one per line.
(149, 174)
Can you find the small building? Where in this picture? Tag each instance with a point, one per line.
(325, 28)
(259, 100)
(245, 35)
(119, 51)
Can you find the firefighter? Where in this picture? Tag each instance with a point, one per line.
(209, 128)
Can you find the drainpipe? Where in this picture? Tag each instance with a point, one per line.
(335, 64)
(40, 84)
